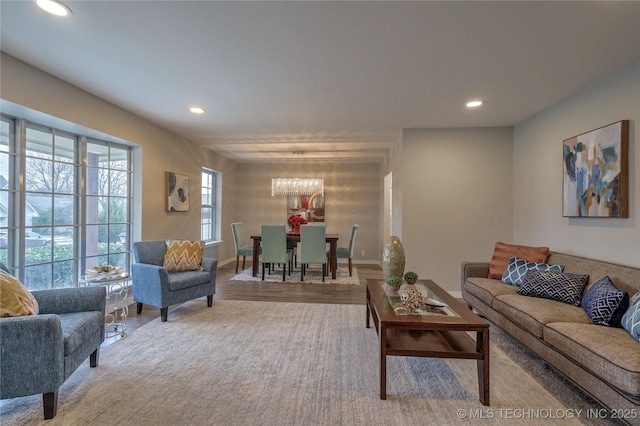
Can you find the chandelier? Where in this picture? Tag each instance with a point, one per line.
(296, 186)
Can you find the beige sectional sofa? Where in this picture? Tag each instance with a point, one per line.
(603, 361)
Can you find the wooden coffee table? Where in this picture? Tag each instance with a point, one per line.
(437, 332)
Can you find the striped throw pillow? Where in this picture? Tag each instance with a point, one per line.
(183, 256)
(503, 252)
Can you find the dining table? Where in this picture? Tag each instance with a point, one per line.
(332, 239)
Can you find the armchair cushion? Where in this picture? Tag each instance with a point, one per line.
(183, 256)
(188, 279)
(15, 299)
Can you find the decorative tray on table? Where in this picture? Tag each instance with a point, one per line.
(104, 272)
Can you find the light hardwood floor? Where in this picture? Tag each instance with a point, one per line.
(268, 292)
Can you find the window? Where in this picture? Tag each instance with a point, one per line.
(210, 229)
(65, 203)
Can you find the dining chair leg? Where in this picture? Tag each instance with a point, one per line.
(324, 270)
(284, 271)
(244, 258)
(350, 268)
(238, 262)
(263, 272)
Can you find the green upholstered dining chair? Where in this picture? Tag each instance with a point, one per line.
(274, 248)
(239, 239)
(347, 252)
(313, 247)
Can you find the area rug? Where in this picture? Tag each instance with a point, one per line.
(267, 363)
(312, 275)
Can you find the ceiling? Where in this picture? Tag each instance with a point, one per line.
(336, 80)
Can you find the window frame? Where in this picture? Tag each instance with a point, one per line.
(16, 194)
(211, 182)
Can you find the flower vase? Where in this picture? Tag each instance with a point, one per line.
(393, 258)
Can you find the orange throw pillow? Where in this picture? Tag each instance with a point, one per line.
(503, 252)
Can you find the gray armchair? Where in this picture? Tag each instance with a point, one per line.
(153, 285)
(39, 352)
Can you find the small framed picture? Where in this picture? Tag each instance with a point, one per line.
(177, 192)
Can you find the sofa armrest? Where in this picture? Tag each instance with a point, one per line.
(473, 269)
(31, 355)
(68, 300)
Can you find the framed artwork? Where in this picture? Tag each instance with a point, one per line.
(310, 207)
(595, 173)
(177, 192)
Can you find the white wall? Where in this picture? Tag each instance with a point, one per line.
(538, 173)
(457, 198)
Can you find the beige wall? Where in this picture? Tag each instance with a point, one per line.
(457, 198)
(538, 173)
(352, 195)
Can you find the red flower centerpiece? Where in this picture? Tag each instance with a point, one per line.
(295, 221)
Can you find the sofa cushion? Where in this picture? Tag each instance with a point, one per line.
(562, 287)
(486, 289)
(182, 280)
(502, 252)
(15, 299)
(610, 353)
(518, 268)
(631, 319)
(78, 327)
(604, 303)
(533, 313)
(183, 256)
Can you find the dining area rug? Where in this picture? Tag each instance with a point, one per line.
(312, 275)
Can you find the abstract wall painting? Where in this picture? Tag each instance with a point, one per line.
(595, 173)
(177, 192)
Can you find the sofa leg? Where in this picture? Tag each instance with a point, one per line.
(210, 300)
(50, 404)
(94, 358)
(163, 314)
(139, 308)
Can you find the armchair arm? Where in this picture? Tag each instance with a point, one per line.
(31, 355)
(67, 300)
(150, 283)
(210, 266)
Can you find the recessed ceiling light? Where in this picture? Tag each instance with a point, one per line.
(54, 7)
(197, 110)
(473, 104)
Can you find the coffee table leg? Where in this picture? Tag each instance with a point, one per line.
(482, 345)
(383, 362)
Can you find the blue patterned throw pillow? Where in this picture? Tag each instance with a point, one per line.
(518, 268)
(562, 287)
(604, 303)
(631, 318)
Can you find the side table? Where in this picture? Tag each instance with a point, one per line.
(117, 288)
